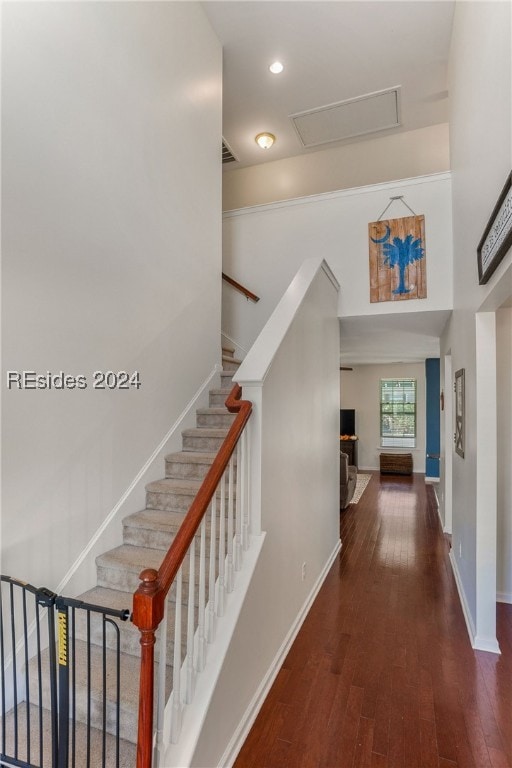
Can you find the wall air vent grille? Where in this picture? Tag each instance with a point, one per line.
(347, 119)
(227, 154)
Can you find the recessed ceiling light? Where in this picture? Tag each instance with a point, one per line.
(265, 140)
(276, 68)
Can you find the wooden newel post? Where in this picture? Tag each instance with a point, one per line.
(147, 615)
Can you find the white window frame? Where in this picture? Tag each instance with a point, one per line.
(403, 440)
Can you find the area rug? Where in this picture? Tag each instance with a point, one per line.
(361, 483)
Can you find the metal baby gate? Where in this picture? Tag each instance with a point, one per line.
(60, 680)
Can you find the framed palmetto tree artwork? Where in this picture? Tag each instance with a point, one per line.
(397, 259)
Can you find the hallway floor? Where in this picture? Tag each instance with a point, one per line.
(382, 674)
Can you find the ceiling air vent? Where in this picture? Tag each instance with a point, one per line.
(346, 119)
(227, 154)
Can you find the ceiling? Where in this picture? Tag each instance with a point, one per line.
(391, 338)
(332, 52)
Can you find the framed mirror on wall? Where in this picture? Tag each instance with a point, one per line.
(460, 427)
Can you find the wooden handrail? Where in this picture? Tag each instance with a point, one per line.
(246, 292)
(149, 599)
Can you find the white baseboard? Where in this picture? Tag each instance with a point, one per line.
(479, 643)
(463, 601)
(432, 479)
(489, 644)
(504, 597)
(246, 723)
(439, 516)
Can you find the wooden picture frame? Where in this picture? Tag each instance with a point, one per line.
(397, 254)
(460, 426)
(497, 238)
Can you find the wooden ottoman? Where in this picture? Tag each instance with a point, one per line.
(396, 463)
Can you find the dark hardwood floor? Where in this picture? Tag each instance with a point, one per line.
(382, 673)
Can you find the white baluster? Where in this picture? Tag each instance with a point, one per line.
(229, 574)
(211, 574)
(247, 475)
(221, 591)
(161, 700)
(243, 492)
(201, 640)
(176, 672)
(238, 507)
(189, 690)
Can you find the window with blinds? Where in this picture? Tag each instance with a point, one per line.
(398, 413)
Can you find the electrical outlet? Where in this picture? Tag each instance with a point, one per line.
(304, 567)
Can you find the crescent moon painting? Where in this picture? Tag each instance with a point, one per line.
(397, 259)
(382, 239)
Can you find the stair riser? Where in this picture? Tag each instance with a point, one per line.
(214, 420)
(229, 365)
(116, 578)
(202, 444)
(226, 378)
(218, 399)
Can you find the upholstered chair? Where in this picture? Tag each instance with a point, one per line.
(348, 477)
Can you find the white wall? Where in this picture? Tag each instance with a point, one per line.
(480, 150)
(296, 422)
(360, 389)
(264, 246)
(111, 254)
(504, 397)
(371, 161)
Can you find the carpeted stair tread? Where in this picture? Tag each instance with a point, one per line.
(217, 415)
(126, 557)
(157, 519)
(204, 438)
(109, 598)
(230, 363)
(205, 432)
(193, 457)
(160, 519)
(120, 567)
(230, 359)
(173, 485)
(156, 528)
